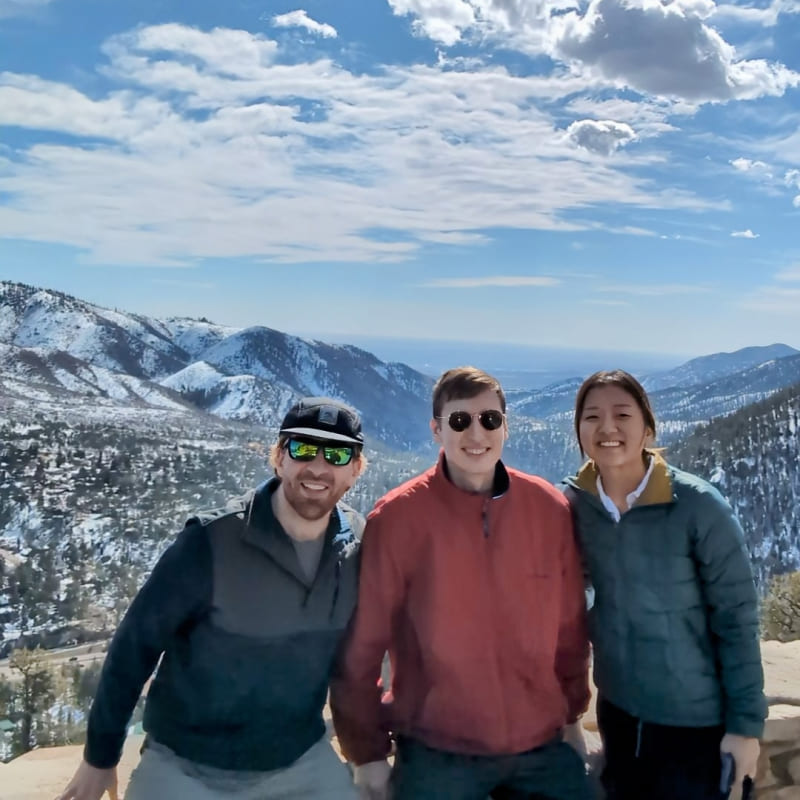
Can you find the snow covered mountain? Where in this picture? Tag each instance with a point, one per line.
(753, 456)
(51, 322)
(53, 342)
(682, 406)
(706, 369)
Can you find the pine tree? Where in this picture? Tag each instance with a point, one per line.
(35, 693)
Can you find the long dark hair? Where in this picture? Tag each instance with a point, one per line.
(626, 382)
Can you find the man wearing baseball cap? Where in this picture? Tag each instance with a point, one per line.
(242, 615)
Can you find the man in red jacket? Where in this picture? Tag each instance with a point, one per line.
(471, 581)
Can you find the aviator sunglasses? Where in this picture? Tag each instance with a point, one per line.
(461, 420)
(338, 455)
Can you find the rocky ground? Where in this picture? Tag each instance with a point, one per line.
(42, 774)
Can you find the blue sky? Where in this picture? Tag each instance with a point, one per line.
(612, 174)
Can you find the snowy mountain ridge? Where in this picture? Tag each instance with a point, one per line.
(249, 374)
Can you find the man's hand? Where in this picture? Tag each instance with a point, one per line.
(372, 780)
(89, 783)
(745, 752)
(573, 736)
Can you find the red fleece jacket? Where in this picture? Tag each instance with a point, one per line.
(480, 603)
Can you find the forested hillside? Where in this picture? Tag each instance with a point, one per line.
(753, 456)
(85, 510)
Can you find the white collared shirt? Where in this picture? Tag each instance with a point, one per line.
(630, 499)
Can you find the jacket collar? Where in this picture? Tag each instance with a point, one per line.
(658, 490)
(499, 486)
(263, 531)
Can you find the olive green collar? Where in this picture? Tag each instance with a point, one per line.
(658, 489)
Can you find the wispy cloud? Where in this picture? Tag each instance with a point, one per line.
(204, 285)
(769, 176)
(774, 300)
(746, 234)
(504, 281)
(300, 19)
(791, 274)
(18, 8)
(655, 290)
(439, 156)
(647, 116)
(792, 180)
(598, 302)
(756, 168)
(766, 16)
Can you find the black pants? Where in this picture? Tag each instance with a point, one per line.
(657, 762)
(553, 771)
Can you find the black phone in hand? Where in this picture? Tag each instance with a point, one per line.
(728, 776)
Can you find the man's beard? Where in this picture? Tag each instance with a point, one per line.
(309, 508)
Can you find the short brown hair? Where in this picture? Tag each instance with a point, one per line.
(463, 383)
(626, 382)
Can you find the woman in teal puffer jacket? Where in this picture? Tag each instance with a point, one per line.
(674, 620)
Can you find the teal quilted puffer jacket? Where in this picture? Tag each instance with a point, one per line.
(674, 624)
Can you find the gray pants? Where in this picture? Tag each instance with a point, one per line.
(162, 775)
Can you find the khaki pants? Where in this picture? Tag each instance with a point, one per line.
(162, 775)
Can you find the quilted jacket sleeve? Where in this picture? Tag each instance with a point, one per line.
(732, 603)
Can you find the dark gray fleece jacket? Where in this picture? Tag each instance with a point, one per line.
(248, 645)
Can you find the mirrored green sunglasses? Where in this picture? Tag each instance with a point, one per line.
(338, 455)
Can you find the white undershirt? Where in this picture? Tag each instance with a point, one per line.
(630, 499)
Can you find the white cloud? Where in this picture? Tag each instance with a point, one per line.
(791, 274)
(632, 230)
(792, 180)
(647, 116)
(774, 300)
(205, 286)
(665, 49)
(600, 136)
(27, 101)
(765, 174)
(655, 290)
(441, 20)
(17, 8)
(613, 303)
(756, 168)
(767, 16)
(504, 281)
(455, 238)
(198, 58)
(300, 19)
(747, 234)
(212, 149)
